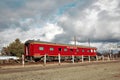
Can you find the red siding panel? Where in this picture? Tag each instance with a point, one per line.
(34, 50)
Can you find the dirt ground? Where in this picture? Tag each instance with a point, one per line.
(107, 71)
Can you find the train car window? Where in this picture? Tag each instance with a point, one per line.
(77, 50)
(91, 50)
(41, 48)
(83, 50)
(71, 50)
(60, 49)
(88, 50)
(65, 49)
(51, 49)
(94, 50)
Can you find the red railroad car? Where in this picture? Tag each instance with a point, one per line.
(40, 48)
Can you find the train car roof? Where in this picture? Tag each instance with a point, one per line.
(51, 43)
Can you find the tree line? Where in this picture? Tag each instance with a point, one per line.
(16, 48)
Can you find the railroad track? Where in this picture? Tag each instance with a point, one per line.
(56, 66)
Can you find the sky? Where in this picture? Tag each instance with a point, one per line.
(60, 20)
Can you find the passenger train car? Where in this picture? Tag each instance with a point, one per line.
(40, 48)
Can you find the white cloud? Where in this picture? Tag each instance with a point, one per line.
(49, 31)
(99, 22)
(45, 33)
(108, 5)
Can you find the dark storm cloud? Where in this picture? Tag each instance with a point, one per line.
(13, 11)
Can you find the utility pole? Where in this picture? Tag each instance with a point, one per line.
(75, 40)
(89, 42)
(73, 57)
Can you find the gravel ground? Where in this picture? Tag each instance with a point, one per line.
(108, 71)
